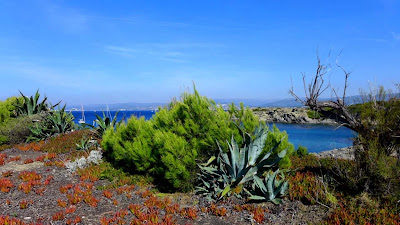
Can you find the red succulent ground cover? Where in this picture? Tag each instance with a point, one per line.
(44, 192)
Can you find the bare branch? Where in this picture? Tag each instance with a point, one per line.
(331, 109)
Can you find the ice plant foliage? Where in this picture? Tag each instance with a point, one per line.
(5, 185)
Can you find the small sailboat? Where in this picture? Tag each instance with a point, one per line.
(82, 120)
(108, 113)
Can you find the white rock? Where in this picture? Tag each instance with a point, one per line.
(95, 157)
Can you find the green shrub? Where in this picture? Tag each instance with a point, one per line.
(274, 137)
(7, 109)
(168, 145)
(3, 140)
(342, 174)
(177, 159)
(16, 130)
(137, 146)
(130, 145)
(301, 151)
(313, 114)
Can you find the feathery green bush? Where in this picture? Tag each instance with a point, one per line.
(7, 109)
(168, 146)
(274, 137)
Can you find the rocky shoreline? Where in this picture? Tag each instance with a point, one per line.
(340, 153)
(299, 116)
(288, 115)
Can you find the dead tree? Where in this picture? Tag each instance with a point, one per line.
(387, 133)
(335, 108)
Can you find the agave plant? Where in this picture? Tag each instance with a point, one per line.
(31, 105)
(55, 122)
(84, 144)
(60, 120)
(230, 172)
(269, 189)
(39, 132)
(105, 123)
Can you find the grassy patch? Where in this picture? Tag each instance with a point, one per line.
(65, 143)
(313, 114)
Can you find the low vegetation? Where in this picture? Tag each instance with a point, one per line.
(167, 146)
(193, 162)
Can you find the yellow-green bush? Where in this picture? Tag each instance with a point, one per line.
(7, 109)
(274, 136)
(168, 146)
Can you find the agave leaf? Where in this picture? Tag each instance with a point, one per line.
(257, 198)
(207, 184)
(270, 185)
(212, 159)
(249, 175)
(234, 158)
(257, 146)
(210, 170)
(225, 191)
(281, 189)
(282, 153)
(276, 201)
(260, 185)
(242, 159)
(114, 121)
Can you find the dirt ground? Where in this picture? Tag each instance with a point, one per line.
(52, 195)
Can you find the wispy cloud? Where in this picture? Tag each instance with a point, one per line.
(396, 36)
(68, 19)
(172, 52)
(371, 39)
(161, 54)
(136, 20)
(51, 76)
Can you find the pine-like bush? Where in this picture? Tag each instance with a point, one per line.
(273, 138)
(168, 146)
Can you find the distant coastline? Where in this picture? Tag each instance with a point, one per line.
(289, 115)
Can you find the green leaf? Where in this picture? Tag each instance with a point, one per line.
(225, 191)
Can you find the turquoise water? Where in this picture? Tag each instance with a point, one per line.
(316, 138)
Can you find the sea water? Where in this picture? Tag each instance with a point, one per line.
(316, 138)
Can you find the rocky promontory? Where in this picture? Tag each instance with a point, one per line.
(288, 115)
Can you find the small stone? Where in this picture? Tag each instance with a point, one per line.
(27, 218)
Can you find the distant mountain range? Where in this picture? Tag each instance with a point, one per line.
(117, 106)
(288, 102)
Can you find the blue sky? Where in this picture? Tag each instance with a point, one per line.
(150, 51)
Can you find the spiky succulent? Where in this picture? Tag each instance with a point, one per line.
(31, 105)
(104, 123)
(54, 122)
(231, 171)
(269, 189)
(60, 120)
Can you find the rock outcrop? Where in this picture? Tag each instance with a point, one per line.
(341, 153)
(288, 115)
